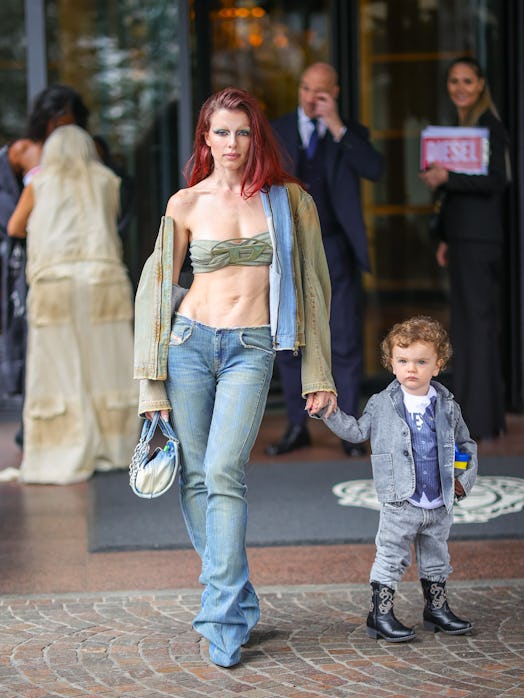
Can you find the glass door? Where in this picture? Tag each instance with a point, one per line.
(13, 75)
(404, 50)
(123, 57)
(263, 47)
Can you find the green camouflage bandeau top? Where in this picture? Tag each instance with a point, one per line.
(210, 255)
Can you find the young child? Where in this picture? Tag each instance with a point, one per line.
(414, 426)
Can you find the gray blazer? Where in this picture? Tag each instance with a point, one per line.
(383, 421)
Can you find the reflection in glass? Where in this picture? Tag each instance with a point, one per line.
(264, 47)
(13, 79)
(123, 57)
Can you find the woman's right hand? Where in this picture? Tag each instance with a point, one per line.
(434, 176)
(164, 414)
(442, 254)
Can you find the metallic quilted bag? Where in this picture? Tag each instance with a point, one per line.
(152, 475)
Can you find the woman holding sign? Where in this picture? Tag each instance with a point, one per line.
(471, 243)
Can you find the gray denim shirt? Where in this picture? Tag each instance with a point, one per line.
(383, 422)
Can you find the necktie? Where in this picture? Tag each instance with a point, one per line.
(313, 141)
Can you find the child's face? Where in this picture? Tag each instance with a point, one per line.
(414, 366)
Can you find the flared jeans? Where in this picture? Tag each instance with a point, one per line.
(217, 384)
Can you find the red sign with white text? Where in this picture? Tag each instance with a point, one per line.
(458, 149)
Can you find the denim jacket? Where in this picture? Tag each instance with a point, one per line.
(383, 421)
(306, 266)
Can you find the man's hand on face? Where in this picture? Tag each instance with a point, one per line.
(326, 109)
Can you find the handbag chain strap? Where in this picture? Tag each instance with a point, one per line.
(141, 451)
(142, 448)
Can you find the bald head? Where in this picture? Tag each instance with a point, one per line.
(317, 79)
(321, 71)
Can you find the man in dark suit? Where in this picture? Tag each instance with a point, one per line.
(329, 157)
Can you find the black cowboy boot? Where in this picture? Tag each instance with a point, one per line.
(381, 620)
(437, 613)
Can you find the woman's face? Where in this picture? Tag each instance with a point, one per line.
(229, 138)
(464, 87)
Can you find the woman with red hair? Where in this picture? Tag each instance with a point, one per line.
(261, 284)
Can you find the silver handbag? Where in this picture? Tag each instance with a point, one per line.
(152, 475)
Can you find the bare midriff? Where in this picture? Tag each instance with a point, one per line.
(235, 296)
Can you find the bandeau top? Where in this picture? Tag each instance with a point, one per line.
(210, 255)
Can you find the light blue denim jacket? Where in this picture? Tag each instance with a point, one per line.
(299, 297)
(383, 421)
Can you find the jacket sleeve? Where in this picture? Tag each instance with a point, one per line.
(465, 444)
(153, 308)
(359, 154)
(350, 428)
(496, 179)
(152, 397)
(316, 289)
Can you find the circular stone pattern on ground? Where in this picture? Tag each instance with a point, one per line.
(311, 641)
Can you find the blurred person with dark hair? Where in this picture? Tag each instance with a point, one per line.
(55, 106)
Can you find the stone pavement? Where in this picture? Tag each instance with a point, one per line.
(72, 623)
(311, 641)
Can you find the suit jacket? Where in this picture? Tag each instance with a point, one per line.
(346, 162)
(472, 204)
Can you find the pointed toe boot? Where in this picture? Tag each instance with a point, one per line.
(381, 621)
(437, 614)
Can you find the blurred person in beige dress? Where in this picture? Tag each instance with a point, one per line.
(81, 400)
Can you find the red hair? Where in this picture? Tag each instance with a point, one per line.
(263, 167)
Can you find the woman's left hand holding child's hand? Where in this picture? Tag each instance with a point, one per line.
(315, 402)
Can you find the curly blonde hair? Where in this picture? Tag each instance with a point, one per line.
(420, 328)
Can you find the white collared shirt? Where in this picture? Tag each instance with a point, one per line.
(417, 404)
(305, 127)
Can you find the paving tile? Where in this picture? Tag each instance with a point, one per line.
(70, 626)
(142, 645)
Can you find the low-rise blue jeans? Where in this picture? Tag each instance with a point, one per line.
(218, 380)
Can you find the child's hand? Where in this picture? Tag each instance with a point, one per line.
(459, 490)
